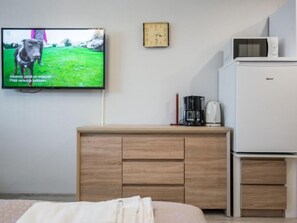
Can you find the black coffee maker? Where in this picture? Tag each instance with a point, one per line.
(194, 110)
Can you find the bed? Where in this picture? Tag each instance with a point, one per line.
(164, 212)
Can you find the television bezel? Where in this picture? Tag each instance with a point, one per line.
(51, 87)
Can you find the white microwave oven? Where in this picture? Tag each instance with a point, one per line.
(251, 47)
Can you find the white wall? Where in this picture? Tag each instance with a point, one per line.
(282, 24)
(38, 131)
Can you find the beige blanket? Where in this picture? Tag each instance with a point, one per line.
(127, 210)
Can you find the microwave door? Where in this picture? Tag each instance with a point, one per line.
(250, 48)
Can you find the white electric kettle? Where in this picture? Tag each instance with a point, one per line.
(213, 114)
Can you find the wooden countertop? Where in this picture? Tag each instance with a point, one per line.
(150, 129)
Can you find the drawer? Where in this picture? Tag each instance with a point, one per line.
(263, 197)
(173, 194)
(153, 172)
(263, 171)
(153, 147)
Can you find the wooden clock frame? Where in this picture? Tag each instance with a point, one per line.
(156, 34)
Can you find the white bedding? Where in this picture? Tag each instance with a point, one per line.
(126, 210)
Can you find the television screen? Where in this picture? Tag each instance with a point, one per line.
(53, 58)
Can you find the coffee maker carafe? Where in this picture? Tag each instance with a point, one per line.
(194, 109)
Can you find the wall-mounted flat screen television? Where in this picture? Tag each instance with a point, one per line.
(53, 58)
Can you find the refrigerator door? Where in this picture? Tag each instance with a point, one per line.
(266, 108)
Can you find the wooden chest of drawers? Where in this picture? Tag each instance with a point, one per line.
(263, 190)
(180, 164)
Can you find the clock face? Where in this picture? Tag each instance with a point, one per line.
(156, 34)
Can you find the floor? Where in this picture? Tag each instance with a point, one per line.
(219, 217)
(44, 197)
(211, 216)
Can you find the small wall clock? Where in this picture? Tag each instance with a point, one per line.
(156, 34)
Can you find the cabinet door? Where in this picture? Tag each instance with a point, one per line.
(206, 171)
(100, 171)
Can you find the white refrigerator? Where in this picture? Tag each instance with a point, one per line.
(259, 102)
